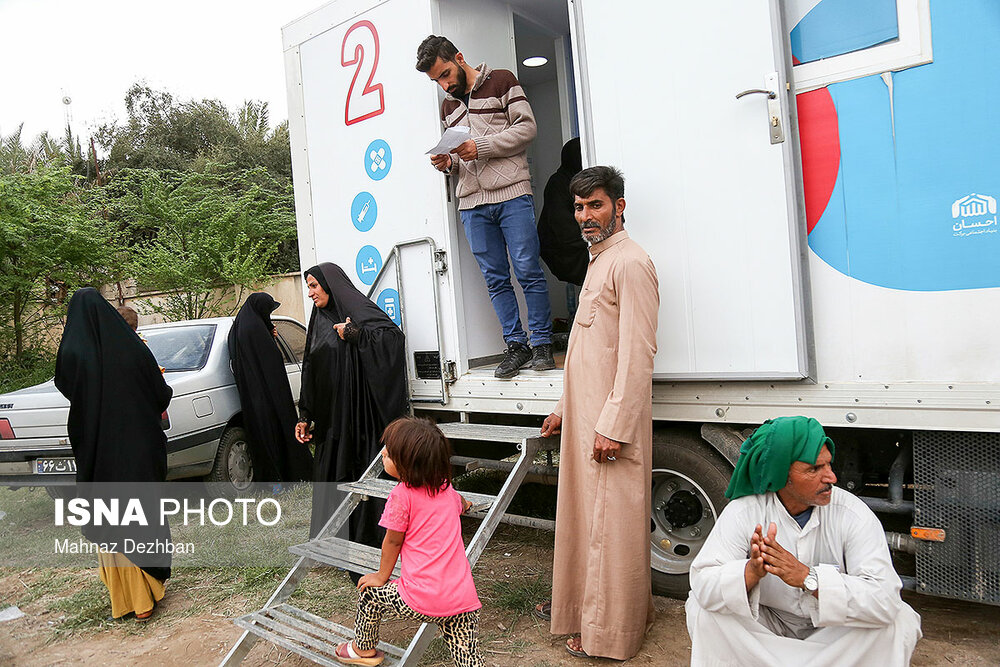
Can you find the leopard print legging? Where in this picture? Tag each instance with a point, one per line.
(461, 631)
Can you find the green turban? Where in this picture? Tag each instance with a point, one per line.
(766, 456)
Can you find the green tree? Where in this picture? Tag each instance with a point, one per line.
(193, 232)
(50, 243)
(163, 133)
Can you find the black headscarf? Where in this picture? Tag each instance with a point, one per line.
(117, 395)
(562, 248)
(351, 389)
(268, 407)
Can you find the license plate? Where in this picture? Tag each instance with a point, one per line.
(55, 466)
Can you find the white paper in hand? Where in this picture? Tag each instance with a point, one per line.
(452, 138)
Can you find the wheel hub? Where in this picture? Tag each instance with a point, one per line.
(682, 518)
(240, 466)
(683, 509)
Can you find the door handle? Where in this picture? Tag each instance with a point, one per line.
(774, 124)
(757, 91)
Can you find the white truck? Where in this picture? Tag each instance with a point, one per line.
(815, 180)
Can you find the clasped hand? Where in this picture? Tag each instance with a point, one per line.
(769, 557)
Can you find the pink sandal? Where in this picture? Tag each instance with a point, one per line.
(346, 655)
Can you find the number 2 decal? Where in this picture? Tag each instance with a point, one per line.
(362, 104)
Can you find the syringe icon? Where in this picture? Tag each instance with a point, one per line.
(364, 211)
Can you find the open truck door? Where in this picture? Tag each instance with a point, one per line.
(691, 100)
(361, 118)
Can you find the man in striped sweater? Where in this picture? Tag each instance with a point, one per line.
(494, 193)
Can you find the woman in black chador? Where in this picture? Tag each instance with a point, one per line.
(353, 385)
(117, 395)
(268, 407)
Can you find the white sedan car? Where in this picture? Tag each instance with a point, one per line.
(204, 425)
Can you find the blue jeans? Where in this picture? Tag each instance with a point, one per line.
(494, 230)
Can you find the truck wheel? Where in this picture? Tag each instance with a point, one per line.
(233, 468)
(689, 485)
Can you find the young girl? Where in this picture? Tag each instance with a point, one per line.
(422, 522)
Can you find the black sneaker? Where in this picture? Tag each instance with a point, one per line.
(516, 356)
(541, 358)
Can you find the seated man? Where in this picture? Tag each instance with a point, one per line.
(796, 570)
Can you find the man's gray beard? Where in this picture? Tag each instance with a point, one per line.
(605, 233)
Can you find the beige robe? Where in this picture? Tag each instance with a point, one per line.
(600, 580)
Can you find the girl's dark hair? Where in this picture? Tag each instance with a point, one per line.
(421, 453)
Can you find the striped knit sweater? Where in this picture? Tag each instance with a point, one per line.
(502, 125)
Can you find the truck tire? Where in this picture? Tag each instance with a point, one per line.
(689, 485)
(233, 470)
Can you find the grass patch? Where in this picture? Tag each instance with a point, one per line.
(86, 609)
(327, 592)
(52, 583)
(518, 595)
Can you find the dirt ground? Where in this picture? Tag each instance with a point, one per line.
(193, 625)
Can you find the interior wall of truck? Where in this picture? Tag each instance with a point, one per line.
(531, 38)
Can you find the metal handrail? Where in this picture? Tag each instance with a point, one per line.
(395, 254)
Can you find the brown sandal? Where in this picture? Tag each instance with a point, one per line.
(543, 611)
(574, 652)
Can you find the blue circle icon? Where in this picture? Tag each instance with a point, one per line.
(368, 264)
(364, 210)
(388, 300)
(378, 160)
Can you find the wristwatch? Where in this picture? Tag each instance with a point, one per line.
(811, 582)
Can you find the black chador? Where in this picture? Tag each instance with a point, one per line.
(351, 390)
(562, 248)
(266, 398)
(117, 395)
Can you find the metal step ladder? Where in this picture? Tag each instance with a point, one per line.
(316, 638)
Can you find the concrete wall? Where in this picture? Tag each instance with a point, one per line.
(285, 288)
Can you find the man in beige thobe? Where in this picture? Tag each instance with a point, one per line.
(600, 583)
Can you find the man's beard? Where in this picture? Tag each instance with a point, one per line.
(458, 90)
(603, 234)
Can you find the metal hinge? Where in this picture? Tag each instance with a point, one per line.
(450, 372)
(440, 262)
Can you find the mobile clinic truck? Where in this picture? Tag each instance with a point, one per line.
(815, 180)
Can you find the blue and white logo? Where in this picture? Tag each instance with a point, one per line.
(378, 160)
(368, 264)
(388, 300)
(364, 210)
(973, 215)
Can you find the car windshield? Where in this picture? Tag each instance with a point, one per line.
(182, 348)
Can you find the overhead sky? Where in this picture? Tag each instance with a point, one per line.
(92, 51)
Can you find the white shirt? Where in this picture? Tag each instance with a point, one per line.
(843, 540)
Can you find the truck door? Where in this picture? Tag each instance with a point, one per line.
(360, 120)
(690, 100)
